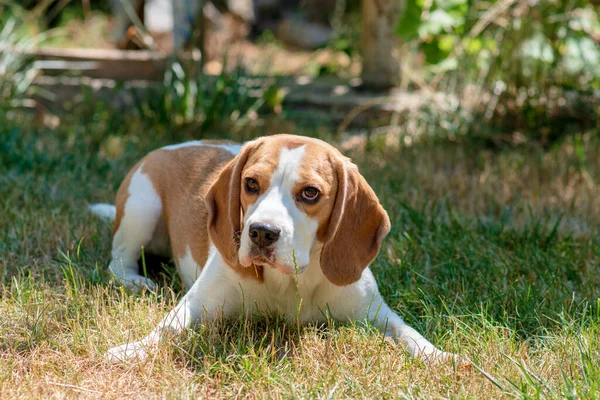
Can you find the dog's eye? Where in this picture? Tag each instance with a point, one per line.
(251, 185)
(310, 194)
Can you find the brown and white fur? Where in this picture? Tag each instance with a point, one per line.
(248, 236)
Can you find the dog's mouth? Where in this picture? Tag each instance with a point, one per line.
(265, 258)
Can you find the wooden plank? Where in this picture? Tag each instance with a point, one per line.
(104, 63)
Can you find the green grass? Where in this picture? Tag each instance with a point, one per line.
(492, 254)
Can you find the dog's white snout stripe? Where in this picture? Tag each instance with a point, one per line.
(277, 207)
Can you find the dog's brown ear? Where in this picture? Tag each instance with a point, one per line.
(356, 228)
(224, 211)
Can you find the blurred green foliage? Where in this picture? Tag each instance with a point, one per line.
(517, 70)
(518, 41)
(532, 66)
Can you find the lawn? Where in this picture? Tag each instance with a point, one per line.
(493, 254)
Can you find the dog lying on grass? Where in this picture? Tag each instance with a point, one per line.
(253, 229)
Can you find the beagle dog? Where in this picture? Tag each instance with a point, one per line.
(283, 224)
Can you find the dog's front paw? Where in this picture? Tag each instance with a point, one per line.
(130, 351)
(137, 283)
(457, 359)
(437, 357)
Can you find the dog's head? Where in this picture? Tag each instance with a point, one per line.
(284, 199)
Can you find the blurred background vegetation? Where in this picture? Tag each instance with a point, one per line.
(512, 72)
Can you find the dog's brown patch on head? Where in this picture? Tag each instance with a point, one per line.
(261, 164)
(318, 171)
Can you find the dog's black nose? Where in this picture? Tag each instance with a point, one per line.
(263, 235)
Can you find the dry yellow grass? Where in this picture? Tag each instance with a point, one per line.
(53, 349)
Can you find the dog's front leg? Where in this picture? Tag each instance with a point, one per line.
(213, 295)
(371, 306)
(415, 344)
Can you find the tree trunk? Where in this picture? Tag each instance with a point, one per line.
(381, 70)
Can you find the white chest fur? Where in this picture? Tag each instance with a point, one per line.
(309, 295)
(302, 295)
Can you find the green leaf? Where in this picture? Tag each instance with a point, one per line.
(472, 46)
(408, 26)
(433, 53)
(447, 43)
